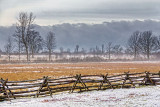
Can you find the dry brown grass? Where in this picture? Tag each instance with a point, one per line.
(16, 72)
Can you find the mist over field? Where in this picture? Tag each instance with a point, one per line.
(89, 35)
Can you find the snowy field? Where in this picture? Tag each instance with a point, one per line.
(135, 97)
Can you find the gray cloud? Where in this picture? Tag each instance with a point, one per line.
(120, 9)
(73, 11)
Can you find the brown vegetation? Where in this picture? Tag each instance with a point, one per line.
(16, 72)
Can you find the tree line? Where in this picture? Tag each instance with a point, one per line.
(28, 40)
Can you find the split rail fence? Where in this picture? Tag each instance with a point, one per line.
(48, 86)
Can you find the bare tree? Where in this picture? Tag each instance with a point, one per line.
(61, 51)
(9, 47)
(35, 43)
(157, 42)
(0, 53)
(133, 43)
(77, 49)
(24, 28)
(147, 43)
(50, 43)
(83, 51)
(117, 49)
(98, 50)
(109, 48)
(102, 48)
(18, 39)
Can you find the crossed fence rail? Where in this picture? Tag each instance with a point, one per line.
(48, 86)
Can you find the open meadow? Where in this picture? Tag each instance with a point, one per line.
(17, 72)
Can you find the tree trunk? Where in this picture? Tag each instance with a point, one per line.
(19, 49)
(135, 54)
(9, 57)
(109, 54)
(32, 53)
(27, 54)
(49, 55)
(32, 50)
(148, 52)
(19, 56)
(148, 55)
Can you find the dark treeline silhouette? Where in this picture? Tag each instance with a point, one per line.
(27, 41)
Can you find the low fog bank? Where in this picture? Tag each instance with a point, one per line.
(78, 58)
(88, 35)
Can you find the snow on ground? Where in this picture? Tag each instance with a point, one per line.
(134, 97)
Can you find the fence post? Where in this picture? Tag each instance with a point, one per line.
(4, 86)
(147, 79)
(44, 84)
(105, 80)
(78, 80)
(127, 77)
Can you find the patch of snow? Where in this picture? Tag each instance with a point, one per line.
(134, 97)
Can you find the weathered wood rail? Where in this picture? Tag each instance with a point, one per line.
(48, 86)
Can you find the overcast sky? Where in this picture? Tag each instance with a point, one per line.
(50, 12)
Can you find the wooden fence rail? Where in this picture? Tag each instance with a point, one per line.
(48, 86)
